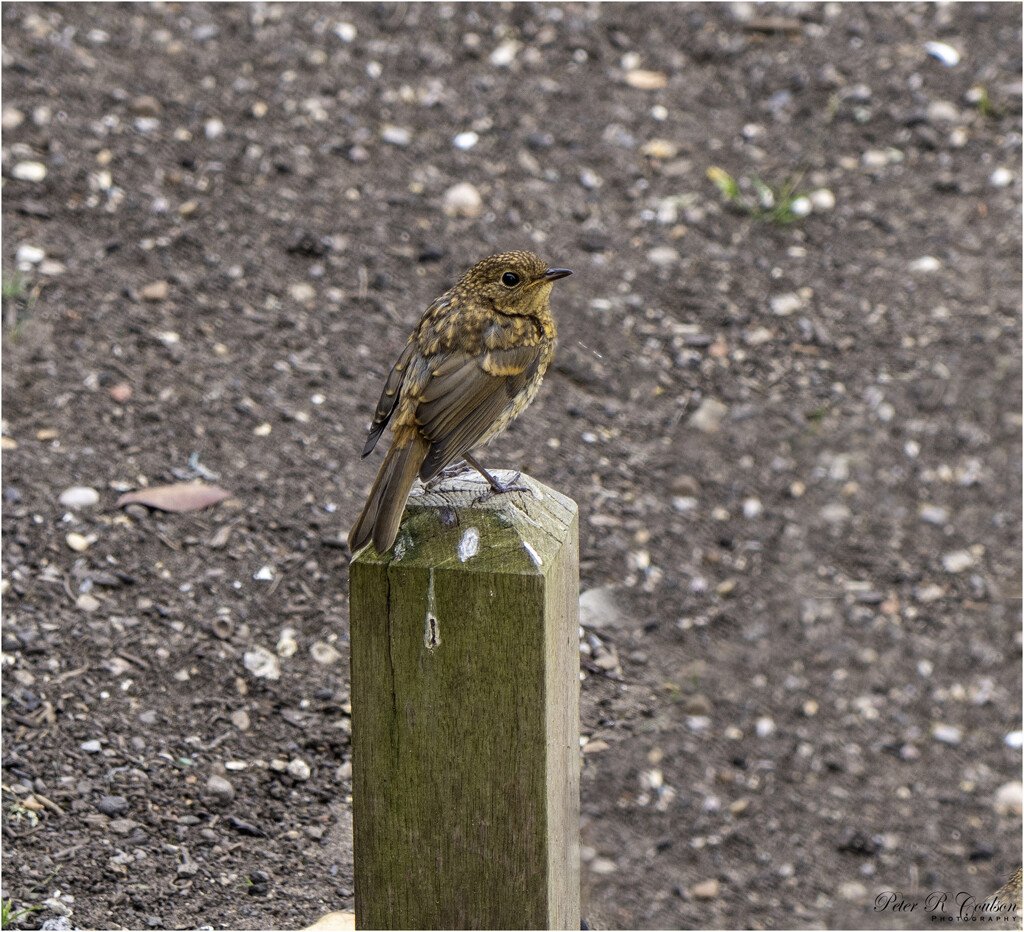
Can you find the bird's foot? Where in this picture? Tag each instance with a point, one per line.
(449, 472)
(496, 486)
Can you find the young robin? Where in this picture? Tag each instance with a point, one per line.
(473, 363)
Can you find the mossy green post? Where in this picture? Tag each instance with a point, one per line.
(465, 714)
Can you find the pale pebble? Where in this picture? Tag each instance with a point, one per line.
(79, 496)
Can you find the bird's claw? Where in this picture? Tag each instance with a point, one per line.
(497, 487)
(449, 472)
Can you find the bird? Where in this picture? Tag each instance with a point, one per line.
(472, 364)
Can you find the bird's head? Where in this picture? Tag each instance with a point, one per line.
(513, 283)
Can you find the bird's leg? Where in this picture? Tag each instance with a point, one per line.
(449, 472)
(496, 486)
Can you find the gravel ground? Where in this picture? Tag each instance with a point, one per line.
(792, 424)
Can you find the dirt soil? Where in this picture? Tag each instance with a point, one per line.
(796, 446)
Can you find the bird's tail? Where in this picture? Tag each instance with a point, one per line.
(382, 514)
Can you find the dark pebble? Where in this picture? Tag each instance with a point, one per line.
(593, 242)
(540, 140)
(112, 805)
(431, 252)
(246, 828)
(854, 842)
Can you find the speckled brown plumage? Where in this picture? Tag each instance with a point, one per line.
(473, 363)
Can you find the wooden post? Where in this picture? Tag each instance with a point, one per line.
(465, 714)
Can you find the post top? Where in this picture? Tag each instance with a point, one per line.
(459, 522)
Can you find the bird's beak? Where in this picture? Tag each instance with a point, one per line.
(552, 274)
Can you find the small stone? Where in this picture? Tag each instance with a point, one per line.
(324, 653)
(946, 734)
(801, 207)
(26, 256)
(752, 508)
(603, 866)
(220, 789)
(598, 608)
(957, 561)
(11, 118)
(1001, 178)
(765, 727)
(925, 264)
(465, 141)
(874, 158)
(79, 496)
(286, 643)
(214, 128)
(822, 200)
(942, 111)
(709, 416)
(87, 603)
(240, 719)
(1009, 798)
(205, 31)
(1014, 739)
(344, 31)
(262, 664)
(659, 149)
(853, 891)
(112, 805)
(705, 890)
(685, 485)
(663, 255)
(504, 54)
(121, 393)
(929, 592)
(395, 135)
(155, 291)
(462, 200)
(77, 542)
(91, 747)
(146, 106)
(783, 305)
(946, 54)
(646, 80)
(835, 513)
(29, 171)
(739, 806)
(123, 826)
(697, 704)
(298, 769)
(933, 514)
(302, 292)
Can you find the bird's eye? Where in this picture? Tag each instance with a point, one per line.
(510, 279)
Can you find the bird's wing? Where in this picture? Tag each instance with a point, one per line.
(388, 398)
(465, 396)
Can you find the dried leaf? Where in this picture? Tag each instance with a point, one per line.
(182, 496)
